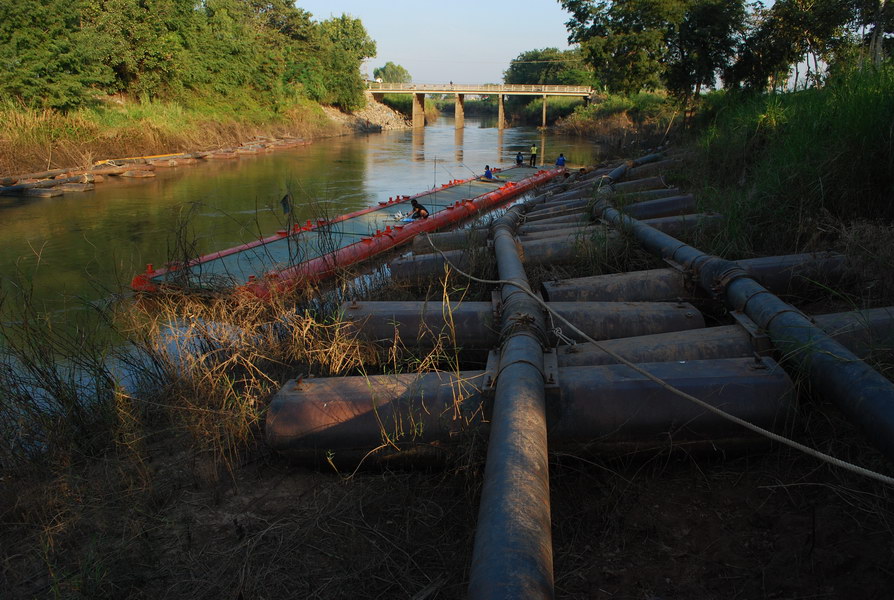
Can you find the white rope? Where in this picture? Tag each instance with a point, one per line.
(730, 417)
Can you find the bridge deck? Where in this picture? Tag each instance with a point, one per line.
(481, 89)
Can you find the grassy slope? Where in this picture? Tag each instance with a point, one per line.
(35, 140)
(780, 164)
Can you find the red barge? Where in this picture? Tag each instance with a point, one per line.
(316, 250)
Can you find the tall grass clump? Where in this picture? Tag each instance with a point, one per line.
(624, 122)
(778, 164)
(557, 107)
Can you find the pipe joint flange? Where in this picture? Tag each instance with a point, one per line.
(526, 324)
(672, 255)
(744, 307)
(794, 310)
(727, 276)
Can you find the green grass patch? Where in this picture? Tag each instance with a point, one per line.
(780, 164)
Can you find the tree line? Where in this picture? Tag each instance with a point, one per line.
(67, 53)
(684, 46)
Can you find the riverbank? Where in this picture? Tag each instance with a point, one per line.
(42, 140)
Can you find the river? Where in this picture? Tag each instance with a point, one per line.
(80, 248)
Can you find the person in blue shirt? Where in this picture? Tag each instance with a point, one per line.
(519, 159)
(488, 174)
(560, 162)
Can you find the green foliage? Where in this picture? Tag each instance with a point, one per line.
(625, 41)
(66, 54)
(403, 103)
(640, 107)
(549, 66)
(44, 59)
(557, 107)
(635, 45)
(821, 151)
(788, 33)
(702, 45)
(392, 73)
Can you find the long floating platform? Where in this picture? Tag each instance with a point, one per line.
(316, 250)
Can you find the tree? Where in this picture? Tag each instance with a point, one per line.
(392, 73)
(549, 66)
(345, 44)
(624, 41)
(703, 45)
(789, 33)
(45, 58)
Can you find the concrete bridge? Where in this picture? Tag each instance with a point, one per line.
(419, 90)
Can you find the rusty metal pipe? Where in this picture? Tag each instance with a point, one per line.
(861, 393)
(352, 415)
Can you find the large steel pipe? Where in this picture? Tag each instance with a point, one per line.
(512, 554)
(577, 215)
(652, 194)
(638, 185)
(655, 168)
(558, 211)
(616, 403)
(559, 204)
(861, 332)
(349, 416)
(661, 207)
(474, 325)
(781, 274)
(451, 240)
(860, 392)
(345, 418)
(554, 249)
(677, 225)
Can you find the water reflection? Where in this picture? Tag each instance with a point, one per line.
(80, 246)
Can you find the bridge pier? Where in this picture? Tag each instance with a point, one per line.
(543, 124)
(501, 113)
(460, 111)
(418, 110)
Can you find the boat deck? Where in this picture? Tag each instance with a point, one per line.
(238, 265)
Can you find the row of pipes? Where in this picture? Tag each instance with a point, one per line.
(541, 388)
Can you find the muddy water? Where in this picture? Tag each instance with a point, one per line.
(80, 247)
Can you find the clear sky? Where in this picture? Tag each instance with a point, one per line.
(463, 41)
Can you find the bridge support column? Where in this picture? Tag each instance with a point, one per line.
(501, 113)
(418, 110)
(460, 111)
(543, 124)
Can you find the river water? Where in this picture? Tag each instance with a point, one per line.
(79, 248)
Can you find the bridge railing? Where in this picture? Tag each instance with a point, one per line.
(491, 88)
